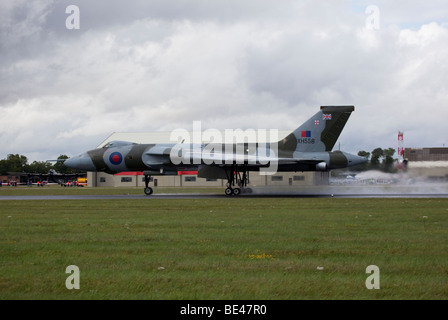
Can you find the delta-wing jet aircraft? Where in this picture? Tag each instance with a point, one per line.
(308, 148)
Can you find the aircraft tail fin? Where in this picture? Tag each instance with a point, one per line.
(320, 132)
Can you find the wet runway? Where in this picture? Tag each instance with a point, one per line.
(328, 191)
(168, 196)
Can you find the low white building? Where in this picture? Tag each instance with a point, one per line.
(136, 179)
(429, 163)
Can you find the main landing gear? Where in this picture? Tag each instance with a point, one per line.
(148, 190)
(235, 177)
(238, 177)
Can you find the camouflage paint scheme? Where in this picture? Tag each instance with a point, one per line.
(308, 148)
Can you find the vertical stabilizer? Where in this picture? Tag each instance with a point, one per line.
(320, 132)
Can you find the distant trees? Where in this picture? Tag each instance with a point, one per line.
(13, 163)
(364, 154)
(380, 159)
(19, 163)
(377, 154)
(60, 167)
(39, 167)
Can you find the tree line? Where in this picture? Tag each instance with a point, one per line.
(19, 163)
(379, 159)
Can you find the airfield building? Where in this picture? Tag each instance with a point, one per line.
(429, 163)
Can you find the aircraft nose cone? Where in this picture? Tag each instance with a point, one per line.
(80, 162)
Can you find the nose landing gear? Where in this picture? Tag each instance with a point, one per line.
(148, 190)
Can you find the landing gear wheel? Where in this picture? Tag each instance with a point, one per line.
(237, 176)
(148, 191)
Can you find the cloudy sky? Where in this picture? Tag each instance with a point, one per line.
(159, 65)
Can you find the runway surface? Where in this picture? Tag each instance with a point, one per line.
(329, 191)
(169, 196)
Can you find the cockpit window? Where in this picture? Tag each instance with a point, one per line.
(117, 143)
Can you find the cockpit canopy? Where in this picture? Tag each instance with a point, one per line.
(117, 143)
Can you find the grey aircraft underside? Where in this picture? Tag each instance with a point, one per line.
(308, 148)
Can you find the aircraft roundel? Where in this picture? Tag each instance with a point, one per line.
(115, 158)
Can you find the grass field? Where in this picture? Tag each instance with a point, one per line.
(228, 248)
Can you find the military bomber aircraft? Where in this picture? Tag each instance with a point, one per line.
(307, 148)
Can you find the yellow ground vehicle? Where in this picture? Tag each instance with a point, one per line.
(82, 181)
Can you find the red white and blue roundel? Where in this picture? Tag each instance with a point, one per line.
(115, 158)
